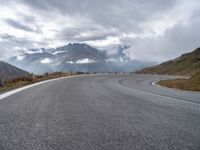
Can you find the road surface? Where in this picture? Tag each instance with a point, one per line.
(100, 112)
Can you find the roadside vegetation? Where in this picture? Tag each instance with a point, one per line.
(186, 65)
(191, 84)
(31, 78)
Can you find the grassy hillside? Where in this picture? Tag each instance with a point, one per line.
(187, 64)
(192, 84)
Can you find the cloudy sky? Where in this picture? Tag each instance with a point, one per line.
(155, 30)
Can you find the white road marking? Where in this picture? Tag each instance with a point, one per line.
(159, 95)
(156, 85)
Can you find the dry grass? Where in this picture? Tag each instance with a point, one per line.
(192, 84)
(20, 82)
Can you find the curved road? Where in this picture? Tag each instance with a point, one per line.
(106, 112)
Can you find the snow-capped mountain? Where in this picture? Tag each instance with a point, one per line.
(72, 57)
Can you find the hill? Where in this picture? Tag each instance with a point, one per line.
(187, 64)
(8, 71)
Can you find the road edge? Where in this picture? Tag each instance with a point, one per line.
(9, 93)
(154, 83)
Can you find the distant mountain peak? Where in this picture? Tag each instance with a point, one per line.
(73, 57)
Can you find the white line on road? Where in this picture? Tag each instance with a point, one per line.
(159, 95)
(155, 83)
(4, 95)
(159, 86)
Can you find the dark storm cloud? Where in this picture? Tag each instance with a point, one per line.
(93, 37)
(19, 25)
(7, 37)
(11, 39)
(99, 7)
(86, 34)
(28, 19)
(124, 14)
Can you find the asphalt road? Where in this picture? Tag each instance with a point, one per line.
(105, 112)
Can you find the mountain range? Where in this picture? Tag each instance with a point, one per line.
(75, 57)
(187, 64)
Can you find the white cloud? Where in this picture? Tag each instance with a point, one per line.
(85, 61)
(46, 61)
(69, 62)
(105, 42)
(151, 28)
(20, 57)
